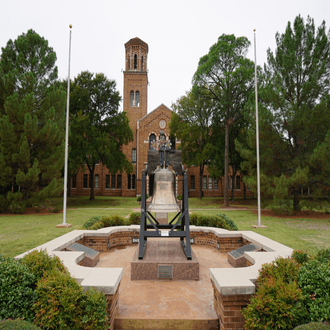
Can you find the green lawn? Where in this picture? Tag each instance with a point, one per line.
(20, 233)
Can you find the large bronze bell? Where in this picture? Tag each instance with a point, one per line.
(164, 200)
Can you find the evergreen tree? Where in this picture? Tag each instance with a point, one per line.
(98, 130)
(227, 75)
(294, 118)
(191, 124)
(32, 119)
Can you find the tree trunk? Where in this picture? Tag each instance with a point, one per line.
(91, 182)
(296, 200)
(233, 182)
(69, 186)
(201, 170)
(225, 191)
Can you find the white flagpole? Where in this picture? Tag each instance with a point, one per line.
(257, 130)
(64, 224)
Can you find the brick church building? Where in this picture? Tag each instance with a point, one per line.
(146, 127)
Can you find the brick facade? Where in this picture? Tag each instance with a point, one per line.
(145, 126)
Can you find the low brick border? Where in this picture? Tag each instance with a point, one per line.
(232, 287)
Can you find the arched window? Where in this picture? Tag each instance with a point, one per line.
(152, 137)
(142, 63)
(133, 181)
(128, 62)
(137, 99)
(135, 61)
(132, 99)
(128, 181)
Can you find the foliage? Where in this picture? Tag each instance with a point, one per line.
(32, 121)
(17, 325)
(300, 256)
(135, 218)
(313, 326)
(16, 290)
(230, 223)
(285, 269)
(90, 222)
(293, 114)
(98, 129)
(39, 263)
(62, 304)
(226, 76)
(210, 221)
(323, 255)
(106, 221)
(314, 281)
(191, 124)
(140, 197)
(276, 305)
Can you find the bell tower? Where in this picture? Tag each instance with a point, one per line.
(135, 80)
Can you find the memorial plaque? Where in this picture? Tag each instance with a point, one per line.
(165, 272)
(79, 247)
(240, 251)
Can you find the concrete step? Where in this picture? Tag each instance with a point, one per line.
(168, 324)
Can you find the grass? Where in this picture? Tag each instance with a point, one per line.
(20, 233)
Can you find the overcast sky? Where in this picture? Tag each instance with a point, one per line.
(178, 33)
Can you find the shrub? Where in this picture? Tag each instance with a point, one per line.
(208, 221)
(140, 197)
(282, 269)
(62, 304)
(313, 326)
(16, 290)
(230, 223)
(323, 255)
(97, 225)
(193, 218)
(300, 256)
(17, 325)
(134, 218)
(314, 281)
(276, 305)
(39, 263)
(113, 220)
(179, 197)
(94, 310)
(89, 223)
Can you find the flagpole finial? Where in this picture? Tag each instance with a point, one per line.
(70, 26)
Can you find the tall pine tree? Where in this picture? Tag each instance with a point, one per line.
(32, 122)
(294, 118)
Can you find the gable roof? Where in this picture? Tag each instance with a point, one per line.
(150, 113)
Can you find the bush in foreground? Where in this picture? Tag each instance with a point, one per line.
(276, 305)
(314, 281)
(62, 304)
(39, 263)
(16, 290)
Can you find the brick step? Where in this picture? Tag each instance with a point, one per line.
(168, 324)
